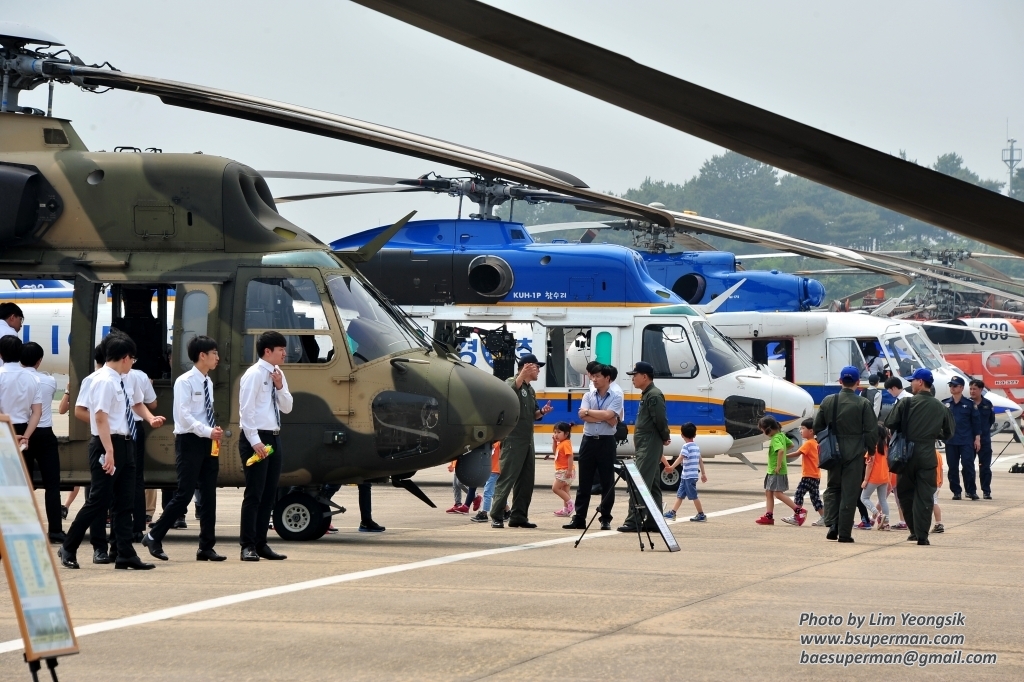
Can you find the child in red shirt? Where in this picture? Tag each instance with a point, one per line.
(565, 470)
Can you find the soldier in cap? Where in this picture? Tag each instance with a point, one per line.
(650, 437)
(856, 430)
(518, 467)
(965, 441)
(924, 420)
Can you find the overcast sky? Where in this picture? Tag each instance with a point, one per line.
(929, 77)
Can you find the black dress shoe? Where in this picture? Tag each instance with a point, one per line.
(67, 559)
(624, 528)
(956, 497)
(154, 547)
(924, 542)
(371, 526)
(249, 554)
(57, 538)
(497, 523)
(845, 539)
(209, 555)
(266, 553)
(911, 538)
(134, 563)
(974, 496)
(100, 557)
(180, 524)
(606, 525)
(987, 496)
(575, 524)
(832, 534)
(521, 524)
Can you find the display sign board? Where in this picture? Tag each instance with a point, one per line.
(25, 554)
(652, 509)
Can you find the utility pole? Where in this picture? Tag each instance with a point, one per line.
(1011, 157)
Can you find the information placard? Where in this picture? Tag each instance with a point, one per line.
(25, 554)
(653, 511)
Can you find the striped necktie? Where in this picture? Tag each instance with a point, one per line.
(273, 399)
(129, 415)
(209, 403)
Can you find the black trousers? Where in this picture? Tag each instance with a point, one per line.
(597, 455)
(196, 470)
(985, 466)
(42, 451)
(139, 507)
(116, 492)
(260, 491)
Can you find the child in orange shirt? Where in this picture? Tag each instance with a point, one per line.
(810, 478)
(876, 479)
(565, 470)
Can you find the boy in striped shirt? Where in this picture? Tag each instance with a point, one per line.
(692, 466)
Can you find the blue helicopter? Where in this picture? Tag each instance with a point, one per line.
(486, 260)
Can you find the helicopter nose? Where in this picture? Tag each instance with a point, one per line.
(480, 402)
(790, 402)
(814, 293)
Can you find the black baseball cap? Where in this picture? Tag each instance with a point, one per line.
(528, 358)
(642, 368)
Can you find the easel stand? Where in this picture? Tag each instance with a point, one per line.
(636, 503)
(35, 666)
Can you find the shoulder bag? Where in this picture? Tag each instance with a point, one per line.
(828, 444)
(900, 449)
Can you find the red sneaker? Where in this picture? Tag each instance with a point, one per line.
(765, 521)
(477, 501)
(453, 510)
(801, 516)
(461, 509)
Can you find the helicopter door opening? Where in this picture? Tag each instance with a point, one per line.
(671, 350)
(842, 353)
(776, 355)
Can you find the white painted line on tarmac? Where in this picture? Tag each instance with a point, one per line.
(207, 604)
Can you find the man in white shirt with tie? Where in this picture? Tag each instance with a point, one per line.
(111, 456)
(42, 444)
(11, 318)
(262, 397)
(195, 432)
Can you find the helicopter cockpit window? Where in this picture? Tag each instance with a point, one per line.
(720, 353)
(283, 304)
(669, 350)
(925, 351)
(370, 329)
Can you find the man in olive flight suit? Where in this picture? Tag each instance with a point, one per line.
(856, 430)
(927, 420)
(650, 437)
(518, 458)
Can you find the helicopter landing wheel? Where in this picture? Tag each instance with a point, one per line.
(299, 517)
(669, 480)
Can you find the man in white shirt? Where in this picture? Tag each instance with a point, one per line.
(19, 392)
(111, 456)
(895, 387)
(195, 432)
(11, 319)
(262, 397)
(42, 444)
(140, 387)
(599, 411)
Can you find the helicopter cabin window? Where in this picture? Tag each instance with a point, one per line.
(283, 304)
(776, 355)
(843, 353)
(195, 309)
(372, 328)
(1005, 363)
(667, 347)
(722, 354)
(568, 352)
(140, 312)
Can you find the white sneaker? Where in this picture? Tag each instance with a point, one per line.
(791, 520)
(819, 522)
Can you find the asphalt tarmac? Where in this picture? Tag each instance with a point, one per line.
(437, 597)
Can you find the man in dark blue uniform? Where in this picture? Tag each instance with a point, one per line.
(966, 440)
(988, 418)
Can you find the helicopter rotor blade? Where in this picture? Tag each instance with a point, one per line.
(348, 193)
(844, 165)
(332, 177)
(307, 120)
(992, 272)
(887, 307)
